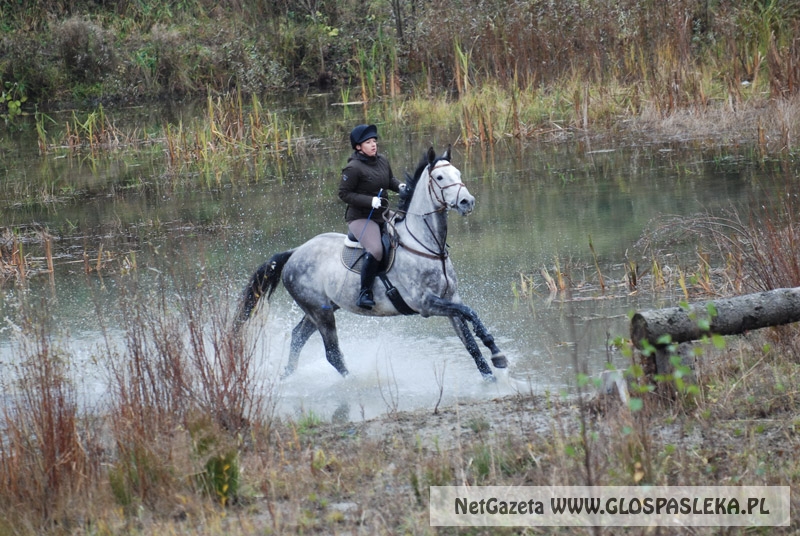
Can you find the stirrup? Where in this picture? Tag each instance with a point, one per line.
(365, 299)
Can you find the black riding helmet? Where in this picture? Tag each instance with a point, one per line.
(362, 133)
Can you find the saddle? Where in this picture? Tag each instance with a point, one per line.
(353, 254)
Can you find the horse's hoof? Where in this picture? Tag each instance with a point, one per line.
(489, 378)
(286, 373)
(499, 361)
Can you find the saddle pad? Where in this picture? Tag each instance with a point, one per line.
(353, 257)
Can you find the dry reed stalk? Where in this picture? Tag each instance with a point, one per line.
(482, 127)
(466, 125)
(395, 83)
(457, 69)
(548, 279)
(18, 258)
(428, 80)
(597, 266)
(171, 145)
(585, 107)
(515, 121)
(658, 275)
(48, 252)
(562, 284)
(363, 81)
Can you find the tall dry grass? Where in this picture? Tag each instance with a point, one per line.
(182, 396)
(49, 452)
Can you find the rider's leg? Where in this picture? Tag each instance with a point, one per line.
(369, 234)
(368, 272)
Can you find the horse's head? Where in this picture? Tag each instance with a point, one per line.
(444, 183)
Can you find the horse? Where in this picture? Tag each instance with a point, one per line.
(421, 272)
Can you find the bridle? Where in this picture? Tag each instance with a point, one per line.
(430, 253)
(440, 196)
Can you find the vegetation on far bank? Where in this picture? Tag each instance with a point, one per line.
(724, 72)
(519, 68)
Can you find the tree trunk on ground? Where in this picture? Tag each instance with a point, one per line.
(733, 316)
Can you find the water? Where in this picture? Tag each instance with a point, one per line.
(537, 205)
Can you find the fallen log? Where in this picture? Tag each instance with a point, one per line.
(728, 316)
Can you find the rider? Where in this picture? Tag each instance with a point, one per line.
(366, 179)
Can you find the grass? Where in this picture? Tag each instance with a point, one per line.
(186, 440)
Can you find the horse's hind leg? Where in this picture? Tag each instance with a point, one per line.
(300, 335)
(462, 329)
(326, 324)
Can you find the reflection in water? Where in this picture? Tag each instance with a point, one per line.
(537, 206)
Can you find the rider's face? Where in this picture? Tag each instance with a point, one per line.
(369, 147)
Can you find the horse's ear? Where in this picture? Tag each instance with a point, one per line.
(446, 155)
(431, 155)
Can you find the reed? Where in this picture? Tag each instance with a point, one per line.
(232, 134)
(18, 261)
(462, 65)
(228, 129)
(364, 75)
(228, 133)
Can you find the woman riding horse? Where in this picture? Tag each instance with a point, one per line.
(366, 179)
(422, 274)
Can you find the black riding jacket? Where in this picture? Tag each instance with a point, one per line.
(362, 178)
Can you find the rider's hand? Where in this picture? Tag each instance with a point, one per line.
(376, 202)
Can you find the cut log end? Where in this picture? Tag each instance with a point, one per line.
(638, 330)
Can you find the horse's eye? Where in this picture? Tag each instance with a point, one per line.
(438, 178)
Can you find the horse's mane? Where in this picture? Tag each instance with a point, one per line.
(411, 182)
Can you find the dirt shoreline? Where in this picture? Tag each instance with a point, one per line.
(518, 440)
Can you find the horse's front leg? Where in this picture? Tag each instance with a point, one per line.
(498, 358)
(441, 307)
(462, 329)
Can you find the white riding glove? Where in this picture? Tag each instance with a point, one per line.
(376, 202)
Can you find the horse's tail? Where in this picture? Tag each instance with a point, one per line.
(264, 281)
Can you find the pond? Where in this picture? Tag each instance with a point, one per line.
(577, 207)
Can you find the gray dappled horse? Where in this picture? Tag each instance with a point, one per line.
(421, 271)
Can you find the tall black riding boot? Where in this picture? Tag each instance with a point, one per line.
(368, 273)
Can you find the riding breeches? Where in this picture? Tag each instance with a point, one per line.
(368, 234)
